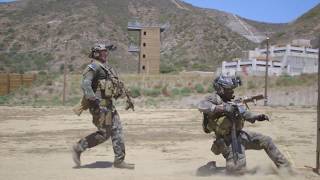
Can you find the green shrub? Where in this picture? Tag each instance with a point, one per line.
(70, 67)
(4, 100)
(200, 67)
(42, 73)
(175, 91)
(152, 92)
(199, 88)
(167, 68)
(71, 101)
(61, 68)
(210, 89)
(21, 62)
(251, 85)
(185, 91)
(135, 91)
(151, 102)
(286, 80)
(56, 100)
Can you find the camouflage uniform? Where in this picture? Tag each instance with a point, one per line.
(96, 84)
(217, 122)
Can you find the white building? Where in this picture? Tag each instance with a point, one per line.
(290, 59)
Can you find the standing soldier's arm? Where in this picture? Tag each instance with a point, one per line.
(209, 106)
(87, 85)
(250, 117)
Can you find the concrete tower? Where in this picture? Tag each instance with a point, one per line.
(149, 50)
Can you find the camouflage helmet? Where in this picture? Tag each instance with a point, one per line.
(226, 82)
(101, 47)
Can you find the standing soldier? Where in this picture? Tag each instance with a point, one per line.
(100, 85)
(217, 111)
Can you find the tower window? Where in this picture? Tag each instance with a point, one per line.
(143, 67)
(143, 56)
(144, 44)
(145, 33)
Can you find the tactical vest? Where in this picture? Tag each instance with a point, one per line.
(219, 123)
(101, 86)
(221, 126)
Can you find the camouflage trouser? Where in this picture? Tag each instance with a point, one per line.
(249, 140)
(104, 132)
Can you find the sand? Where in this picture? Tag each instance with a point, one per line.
(163, 143)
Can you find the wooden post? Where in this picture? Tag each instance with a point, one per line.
(65, 75)
(266, 76)
(317, 169)
(21, 80)
(8, 83)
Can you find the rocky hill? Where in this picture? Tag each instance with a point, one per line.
(306, 26)
(35, 31)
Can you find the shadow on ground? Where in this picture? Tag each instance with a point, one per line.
(210, 169)
(98, 164)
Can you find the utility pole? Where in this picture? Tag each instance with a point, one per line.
(65, 74)
(266, 76)
(317, 169)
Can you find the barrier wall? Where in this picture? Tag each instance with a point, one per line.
(11, 82)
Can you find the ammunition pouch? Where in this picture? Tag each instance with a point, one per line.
(102, 119)
(110, 89)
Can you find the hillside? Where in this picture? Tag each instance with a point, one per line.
(37, 29)
(306, 26)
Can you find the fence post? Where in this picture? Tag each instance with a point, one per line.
(8, 83)
(21, 79)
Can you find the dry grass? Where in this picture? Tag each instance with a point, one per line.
(49, 91)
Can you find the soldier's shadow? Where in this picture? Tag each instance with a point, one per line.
(98, 164)
(210, 169)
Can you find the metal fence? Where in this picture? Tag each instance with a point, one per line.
(11, 82)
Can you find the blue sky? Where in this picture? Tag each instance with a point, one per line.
(276, 11)
(6, 0)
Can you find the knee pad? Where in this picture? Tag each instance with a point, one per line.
(233, 166)
(267, 141)
(96, 138)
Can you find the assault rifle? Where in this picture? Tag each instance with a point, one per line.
(120, 86)
(238, 106)
(116, 82)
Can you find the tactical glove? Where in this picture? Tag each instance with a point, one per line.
(94, 103)
(262, 117)
(206, 130)
(129, 105)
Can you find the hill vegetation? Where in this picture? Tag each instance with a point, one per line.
(34, 33)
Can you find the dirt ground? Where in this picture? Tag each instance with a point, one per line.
(163, 143)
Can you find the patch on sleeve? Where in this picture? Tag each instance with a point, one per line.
(93, 66)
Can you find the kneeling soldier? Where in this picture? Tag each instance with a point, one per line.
(218, 117)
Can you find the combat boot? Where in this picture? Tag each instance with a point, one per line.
(123, 165)
(76, 153)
